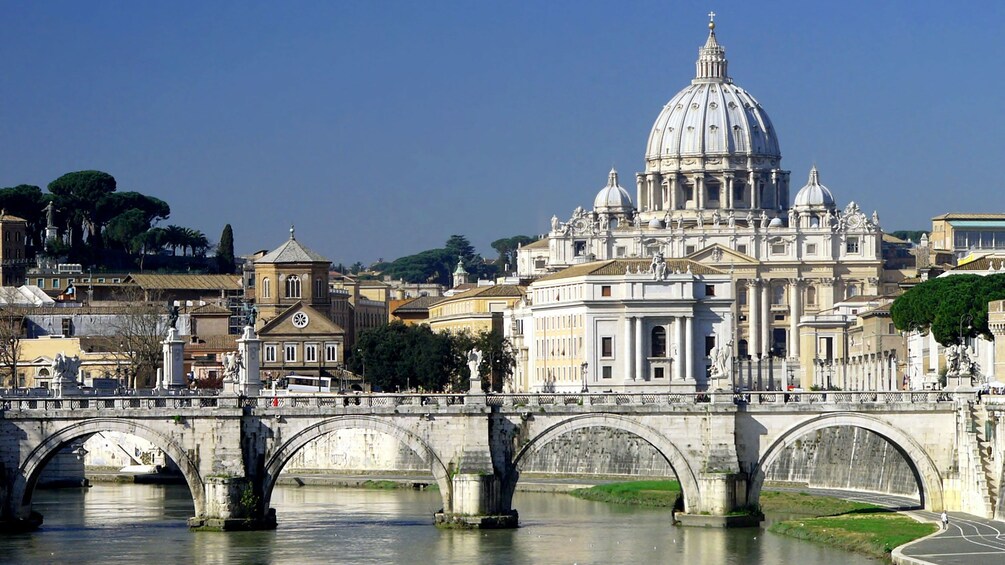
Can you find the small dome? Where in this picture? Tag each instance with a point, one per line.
(612, 198)
(775, 223)
(655, 224)
(814, 194)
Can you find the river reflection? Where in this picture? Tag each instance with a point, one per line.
(146, 524)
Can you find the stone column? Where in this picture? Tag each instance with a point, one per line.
(753, 328)
(174, 358)
(673, 192)
(678, 346)
(688, 348)
(627, 350)
(640, 190)
(795, 311)
(765, 318)
(639, 342)
(249, 375)
(729, 191)
(699, 191)
(755, 202)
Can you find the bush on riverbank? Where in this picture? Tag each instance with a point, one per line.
(875, 531)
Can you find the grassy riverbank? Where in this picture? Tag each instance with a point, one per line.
(639, 493)
(852, 526)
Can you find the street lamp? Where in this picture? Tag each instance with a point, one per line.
(968, 320)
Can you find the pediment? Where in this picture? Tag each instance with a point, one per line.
(303, 320)
(718, 254)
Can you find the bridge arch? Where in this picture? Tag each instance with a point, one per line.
(925, 472)
(290, 447)
(32, 465)
(663, 445)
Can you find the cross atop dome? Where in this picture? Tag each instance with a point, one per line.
(711, 63)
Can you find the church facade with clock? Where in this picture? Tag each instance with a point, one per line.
(712, 196)
(294, 313)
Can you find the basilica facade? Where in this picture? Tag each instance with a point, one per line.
(713, 196)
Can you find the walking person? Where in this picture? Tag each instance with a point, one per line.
(945, 520)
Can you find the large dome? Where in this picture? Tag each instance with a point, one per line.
(712, 116)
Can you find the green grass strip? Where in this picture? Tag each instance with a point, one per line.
(874, 532)
(657, 494)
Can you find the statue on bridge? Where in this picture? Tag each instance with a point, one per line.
(958, 360)
(233, 362)
(722, 357)
(474, 361)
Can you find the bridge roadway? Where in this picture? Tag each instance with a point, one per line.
(232, 448)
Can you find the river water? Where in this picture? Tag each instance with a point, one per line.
(126, 523)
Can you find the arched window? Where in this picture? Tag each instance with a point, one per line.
(852, 290)
(778, 295)
(811, 296)
(658, 342)
(319, 288)
(266, 288)
(293, 286)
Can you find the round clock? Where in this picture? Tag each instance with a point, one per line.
(300, 320)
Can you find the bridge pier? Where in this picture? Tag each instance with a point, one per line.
(723, 498)
(233, 503)
(478, 500)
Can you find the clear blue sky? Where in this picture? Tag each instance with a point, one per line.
(381, 128)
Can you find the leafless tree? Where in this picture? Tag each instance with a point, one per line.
(138, 330)
(11, 336)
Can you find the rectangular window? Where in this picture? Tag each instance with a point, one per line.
(742, 248)
(55, 283)
(658, 372)
(778, 249)
(688, 249)
(605, 371)
(605, 290)
(311, 353)
(619, 251)
(811, 249)
(713, 192)
(67, 327)
(709, 344)
(290, 352)
(116, 280)
(851, 246)
(270, 353)
(539, 263)
(40, 283)
(579, 248)
(710, 290)
(607, 347)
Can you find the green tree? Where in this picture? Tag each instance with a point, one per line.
(942, 305)
(116, 203)
(175, 237)
(27, 201)
(913, 235)
(507, 248)
(225, 251)
(124, 230)
(77, 195)
(397, 357)
(498, 358)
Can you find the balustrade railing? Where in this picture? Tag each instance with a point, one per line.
(557, 400)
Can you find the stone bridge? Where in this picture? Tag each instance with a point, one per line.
(231, 449)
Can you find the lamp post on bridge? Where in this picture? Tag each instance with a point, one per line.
(967, 319)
